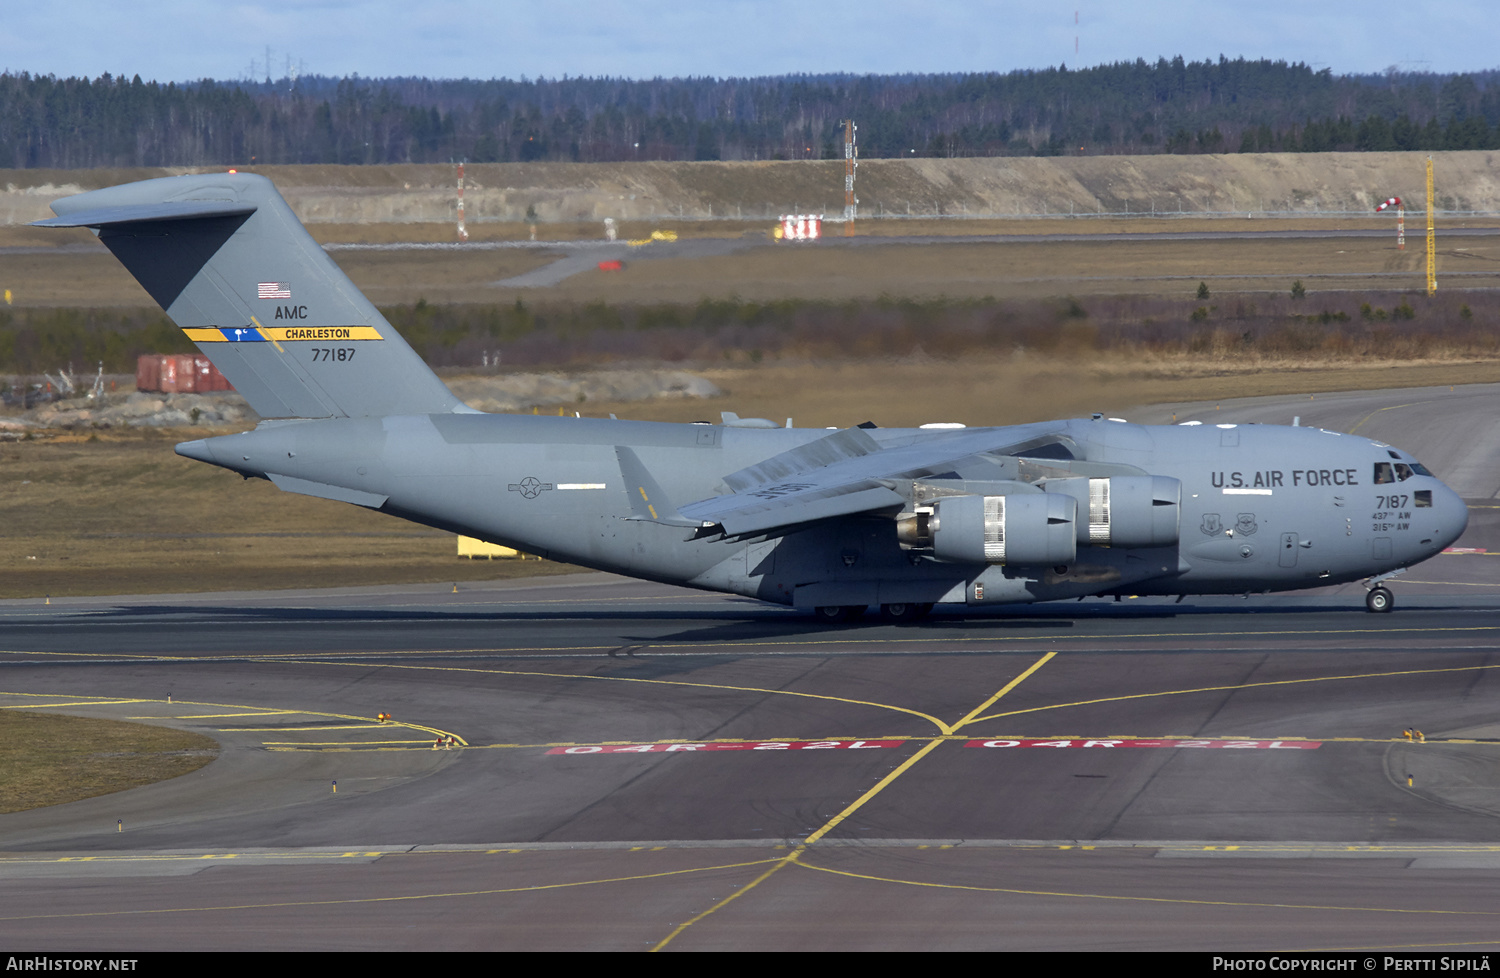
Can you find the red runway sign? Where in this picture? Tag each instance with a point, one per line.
(745, 745)
(1249, 744)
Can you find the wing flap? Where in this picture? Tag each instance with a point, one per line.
(847, 473)
(741, 516)
(848, 443)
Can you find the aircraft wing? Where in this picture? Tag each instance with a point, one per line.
(847, 472)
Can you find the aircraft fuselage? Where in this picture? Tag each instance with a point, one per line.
(1262, 508)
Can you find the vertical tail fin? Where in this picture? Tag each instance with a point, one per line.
(230, 263)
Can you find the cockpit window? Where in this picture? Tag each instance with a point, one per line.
(1420, 469)
(1403, 472)
(1383, 473)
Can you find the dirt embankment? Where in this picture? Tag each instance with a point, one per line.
(1270, 183)
(513, 393)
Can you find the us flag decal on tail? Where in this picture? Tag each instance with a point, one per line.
(273, 290)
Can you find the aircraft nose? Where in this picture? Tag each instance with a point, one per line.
(1452, 515)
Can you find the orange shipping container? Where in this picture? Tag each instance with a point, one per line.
(177, 374)
(148, 372)
(182, 373)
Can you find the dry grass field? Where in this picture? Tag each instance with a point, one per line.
(49, 759)
(122, 513)
(125, 514)
(834, 270)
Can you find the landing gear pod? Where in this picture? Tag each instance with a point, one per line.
(1125, 510)
(1029, 528)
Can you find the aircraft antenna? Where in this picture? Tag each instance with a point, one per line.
(851, 163)
(1431, 235)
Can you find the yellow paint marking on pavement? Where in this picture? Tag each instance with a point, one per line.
(381, 899)
(43, 706)
(250, 711)
(880, 786)
(780, 865)
(1391, 407)
(385, 654)
(931, 745)
(92, 699)
(338, 743)
(1240, 686)
(147, 656)
(222, 716)
(1034, 639)
(1399, 947)
(1457, 583)
(655, 682)
(1148, 899)
(372, 725)
(1030, 639)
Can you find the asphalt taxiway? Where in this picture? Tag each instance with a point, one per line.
(640, 767)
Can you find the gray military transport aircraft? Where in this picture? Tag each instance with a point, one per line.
(829, 521)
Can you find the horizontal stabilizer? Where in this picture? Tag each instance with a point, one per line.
(179, 210)
(322, 490)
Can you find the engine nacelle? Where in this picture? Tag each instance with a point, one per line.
(1022, 528)
(1125, 510)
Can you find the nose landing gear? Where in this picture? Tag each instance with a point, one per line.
(1379, 598)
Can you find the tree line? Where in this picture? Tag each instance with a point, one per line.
(1169, 106)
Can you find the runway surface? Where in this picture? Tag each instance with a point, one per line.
(644, 767)
(582, 256)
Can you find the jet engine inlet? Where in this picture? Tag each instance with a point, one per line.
(1028, 528)
(1126, 511)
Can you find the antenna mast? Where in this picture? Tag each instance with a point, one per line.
(1431, 235)
(463, 232)
(851, 162)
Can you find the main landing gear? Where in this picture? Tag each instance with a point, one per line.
(839, 614)
(894, 614)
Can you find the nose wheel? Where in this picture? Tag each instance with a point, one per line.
(1379, 600)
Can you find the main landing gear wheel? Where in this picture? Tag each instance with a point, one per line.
(904, 614)
(1380, 600)
(837, 614)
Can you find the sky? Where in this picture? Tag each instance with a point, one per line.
(178, 40)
